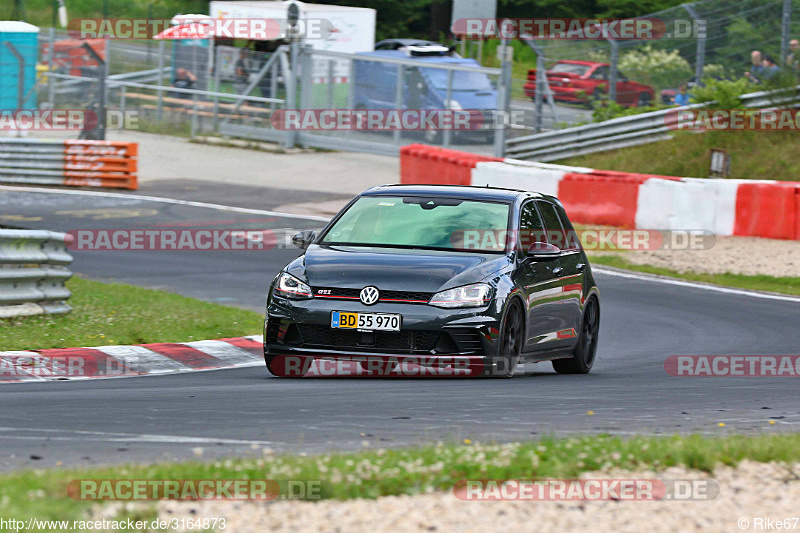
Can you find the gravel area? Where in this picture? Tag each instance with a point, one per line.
(737, 255)
(750, 491)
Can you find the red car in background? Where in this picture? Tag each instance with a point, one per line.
(582, 82)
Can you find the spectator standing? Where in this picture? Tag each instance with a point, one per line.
(757, 68)
(242, 73)
(683, 96)
(770, 69)
(793, 59)
(184, 79)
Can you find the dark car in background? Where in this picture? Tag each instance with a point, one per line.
(427, 273)
(583, 82)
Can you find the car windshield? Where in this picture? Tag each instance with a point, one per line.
(462, 81)
(422, 222)
(570, 68)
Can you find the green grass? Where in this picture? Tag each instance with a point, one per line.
(785, 285)
(370, 474)
(106, 314)
(754, 155)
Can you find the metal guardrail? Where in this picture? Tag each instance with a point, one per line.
(33, 270)
(622, 132)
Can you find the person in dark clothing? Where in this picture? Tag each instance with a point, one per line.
(184, 79)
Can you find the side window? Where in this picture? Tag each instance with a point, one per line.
(572, 240)
(531, 229)
(601, 73)
(552, 226)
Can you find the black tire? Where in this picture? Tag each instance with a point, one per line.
(643, 101)
(511, 341)
(583, 357)
(279, 370)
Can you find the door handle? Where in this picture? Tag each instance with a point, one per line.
(558, 271)
(581, 267)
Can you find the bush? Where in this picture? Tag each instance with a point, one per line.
(657, 68)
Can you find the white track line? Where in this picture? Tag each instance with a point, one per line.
(165, 201)
(703, 286)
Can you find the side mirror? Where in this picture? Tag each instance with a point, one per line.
(304, 239)
(541, 251)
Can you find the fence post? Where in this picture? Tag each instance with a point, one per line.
(160, 105)
(786, 30)
(331, 85)
(700, 24)
(217, 83)
(612, 76)
(541, 87)
(101, 90)
(398, 101)
(290, 77)
(20, 74)
(448, 134)
(51, 81)
(504, 105)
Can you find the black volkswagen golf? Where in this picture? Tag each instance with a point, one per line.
(437, 275)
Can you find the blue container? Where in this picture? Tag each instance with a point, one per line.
(24, 37)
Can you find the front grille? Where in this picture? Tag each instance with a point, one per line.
(386, 296)
(395, 341)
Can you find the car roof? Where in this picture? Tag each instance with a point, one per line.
(466, 192)
(587, 63)
(401, 54)
(404, 42)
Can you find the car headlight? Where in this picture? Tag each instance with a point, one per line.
(476, 295)
(290, 287)
(453, 105)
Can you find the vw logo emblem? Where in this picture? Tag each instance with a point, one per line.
(369, 295)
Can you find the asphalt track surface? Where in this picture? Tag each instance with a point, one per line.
(240, 411)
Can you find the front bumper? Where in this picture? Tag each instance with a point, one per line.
(302, 327)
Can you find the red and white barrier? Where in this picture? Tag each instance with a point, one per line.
(757, 208)
(127, 361)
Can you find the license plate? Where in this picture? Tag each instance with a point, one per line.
(368, 321)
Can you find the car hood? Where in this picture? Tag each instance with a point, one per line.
(393, 269)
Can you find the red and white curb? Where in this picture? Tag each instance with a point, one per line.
(105, 362)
